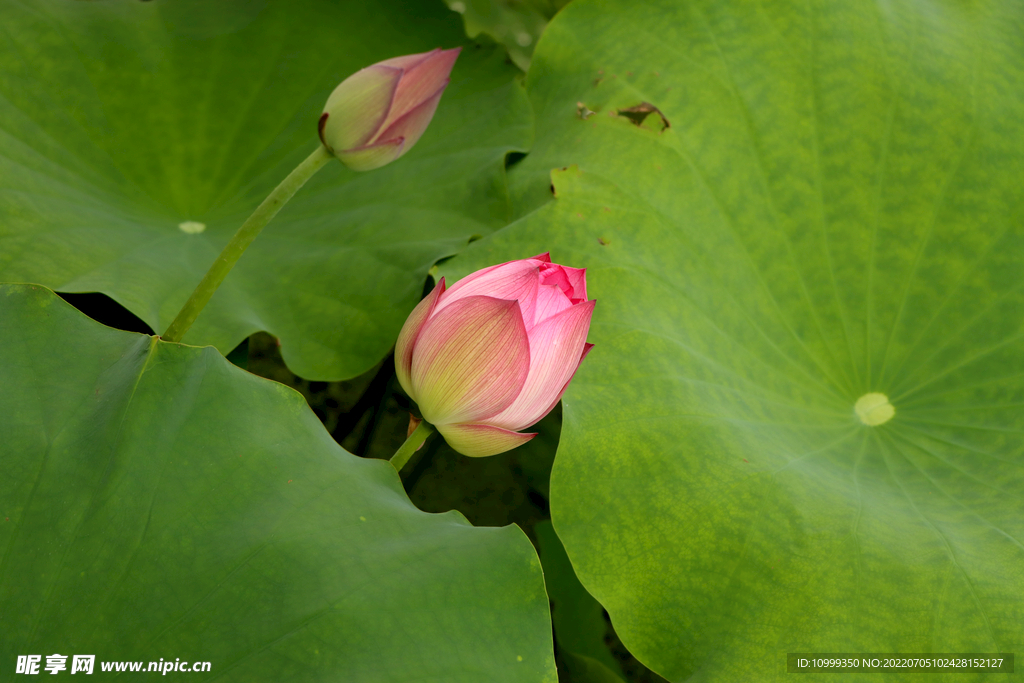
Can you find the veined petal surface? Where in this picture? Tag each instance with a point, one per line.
(573, 282)
(556, 349)
(471, 360)
(551, 300)
(357, 109)
(586, 350)
(412, 125)
(372, 156)
(480, 440)
(410, 331)
(514, 280)
(421, 81)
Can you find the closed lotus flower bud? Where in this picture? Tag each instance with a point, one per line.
(494, 354)
(377, 114)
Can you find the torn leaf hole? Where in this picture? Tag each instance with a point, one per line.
(640, 114)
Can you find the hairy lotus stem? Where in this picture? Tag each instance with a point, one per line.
(241, 241)
(415, 440)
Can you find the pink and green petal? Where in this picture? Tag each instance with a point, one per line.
(583, 356)
(415, 121)
(373, 156)
(572, 281)
(471, 360)
(420, 81)
(407, 337)
(556, 348)
(553, 274)
(513, 280)
(586, 350)
(478, 441)
(578, 281)
(358, 107)
(551, 300)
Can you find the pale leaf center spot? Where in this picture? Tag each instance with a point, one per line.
(874, 409)
(192, 227)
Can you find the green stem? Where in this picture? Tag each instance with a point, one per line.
(241, 241)
(415, 440)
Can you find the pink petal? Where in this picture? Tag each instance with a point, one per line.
(477, 441)
(470, 360)
(372, 156)
(415, 121)
(545, 257)
(586, 350)
(483, 271)
(554, 274)
(550, 301)
(410, 331)
(357, 108)
(556, 347)
(578, 281)
(513, 280)
(421, 81)
(572, 281)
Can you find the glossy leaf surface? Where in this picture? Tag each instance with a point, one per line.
(136, 137)
(782, 210)
(577, 618)
(158, 502)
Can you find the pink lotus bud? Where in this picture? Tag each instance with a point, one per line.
(494, 354)
(377, 114)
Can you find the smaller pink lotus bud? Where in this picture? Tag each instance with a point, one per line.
(377, 114)
(494, 354)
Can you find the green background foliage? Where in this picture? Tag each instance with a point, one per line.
(575, 615)
(121, 120)
(781, 207)
(834, 209)
(160, 502)
(516, 24)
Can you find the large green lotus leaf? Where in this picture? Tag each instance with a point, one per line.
(835, 209)
(577, 618)
(119, 121)
(158, 502)
(513, 23)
